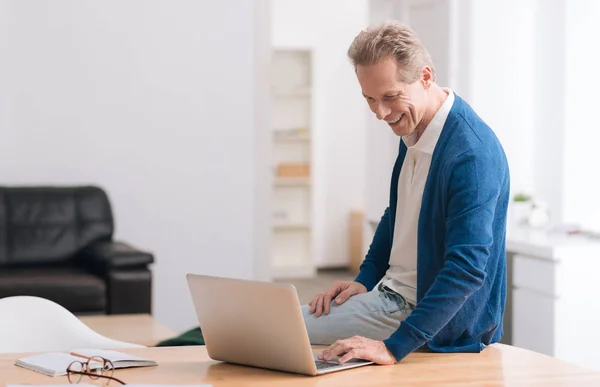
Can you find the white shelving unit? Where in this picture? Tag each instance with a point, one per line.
(292, 246)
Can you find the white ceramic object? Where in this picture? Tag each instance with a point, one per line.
(34, 324)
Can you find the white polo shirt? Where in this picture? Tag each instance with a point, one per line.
(402, 274)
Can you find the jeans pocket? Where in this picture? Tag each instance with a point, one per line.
(396, 298)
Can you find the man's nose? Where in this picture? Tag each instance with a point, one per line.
(381, 111)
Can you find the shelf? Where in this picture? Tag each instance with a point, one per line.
(291, 138)
(292, 181)
(291, 226)
(291, 134)
(290, 131)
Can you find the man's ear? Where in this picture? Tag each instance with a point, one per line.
(426, 77)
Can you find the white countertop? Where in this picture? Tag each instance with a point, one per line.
(548, 245)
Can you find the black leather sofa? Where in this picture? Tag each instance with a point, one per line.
(57, 243)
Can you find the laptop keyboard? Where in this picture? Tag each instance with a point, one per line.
(323, 365)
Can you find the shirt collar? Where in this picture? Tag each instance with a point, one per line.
(433, 130)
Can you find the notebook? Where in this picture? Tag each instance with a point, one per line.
(91, 385)
(56, 363)
(119, 359)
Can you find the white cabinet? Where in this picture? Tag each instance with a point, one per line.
(555, 303)
(534, 303)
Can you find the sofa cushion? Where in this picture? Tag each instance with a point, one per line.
(51, 224)
(71, 287)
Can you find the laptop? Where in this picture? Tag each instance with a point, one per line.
(257, 324)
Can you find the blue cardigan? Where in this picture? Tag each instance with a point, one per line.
(461, 253)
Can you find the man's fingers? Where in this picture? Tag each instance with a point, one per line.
(319, 311)
(343, 296)
(326, 354)
(352, 354)
(313, 305)
(333, 291)
(326, 303)
(338, 348)
(358, 347)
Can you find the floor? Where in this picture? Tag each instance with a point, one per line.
(308, 287)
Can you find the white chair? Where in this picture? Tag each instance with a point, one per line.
(33, 324)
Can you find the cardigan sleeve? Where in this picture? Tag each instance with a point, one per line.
(376, 263)
(472, 195)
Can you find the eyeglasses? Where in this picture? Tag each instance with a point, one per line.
(95, 368)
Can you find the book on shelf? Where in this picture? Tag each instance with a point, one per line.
(286, 170)
(297, 133)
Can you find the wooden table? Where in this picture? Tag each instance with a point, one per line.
(498, 365)
(133, 328)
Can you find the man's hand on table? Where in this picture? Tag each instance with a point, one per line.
(359, 347)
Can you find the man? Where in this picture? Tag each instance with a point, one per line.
(434, 275)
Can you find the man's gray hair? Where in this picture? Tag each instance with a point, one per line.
(391, 39)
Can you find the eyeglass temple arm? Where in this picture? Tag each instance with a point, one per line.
(99, 376)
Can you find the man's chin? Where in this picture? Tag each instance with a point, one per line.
(401, 129)
(401, 132)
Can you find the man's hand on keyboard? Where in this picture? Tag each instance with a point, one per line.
(359, 347)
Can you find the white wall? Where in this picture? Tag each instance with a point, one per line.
(581, 131)
(502, 79)
(550, 97)
(565, 101)
(339, 113)
(154, 101)
(262, 141)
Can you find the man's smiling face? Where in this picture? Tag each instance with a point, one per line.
(400, 104)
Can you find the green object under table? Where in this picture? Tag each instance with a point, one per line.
(191, 337)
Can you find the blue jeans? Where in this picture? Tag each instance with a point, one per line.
(375, 315)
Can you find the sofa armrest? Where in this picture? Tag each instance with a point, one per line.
(109, 255)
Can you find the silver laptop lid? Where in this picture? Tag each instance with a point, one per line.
(252, 323)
